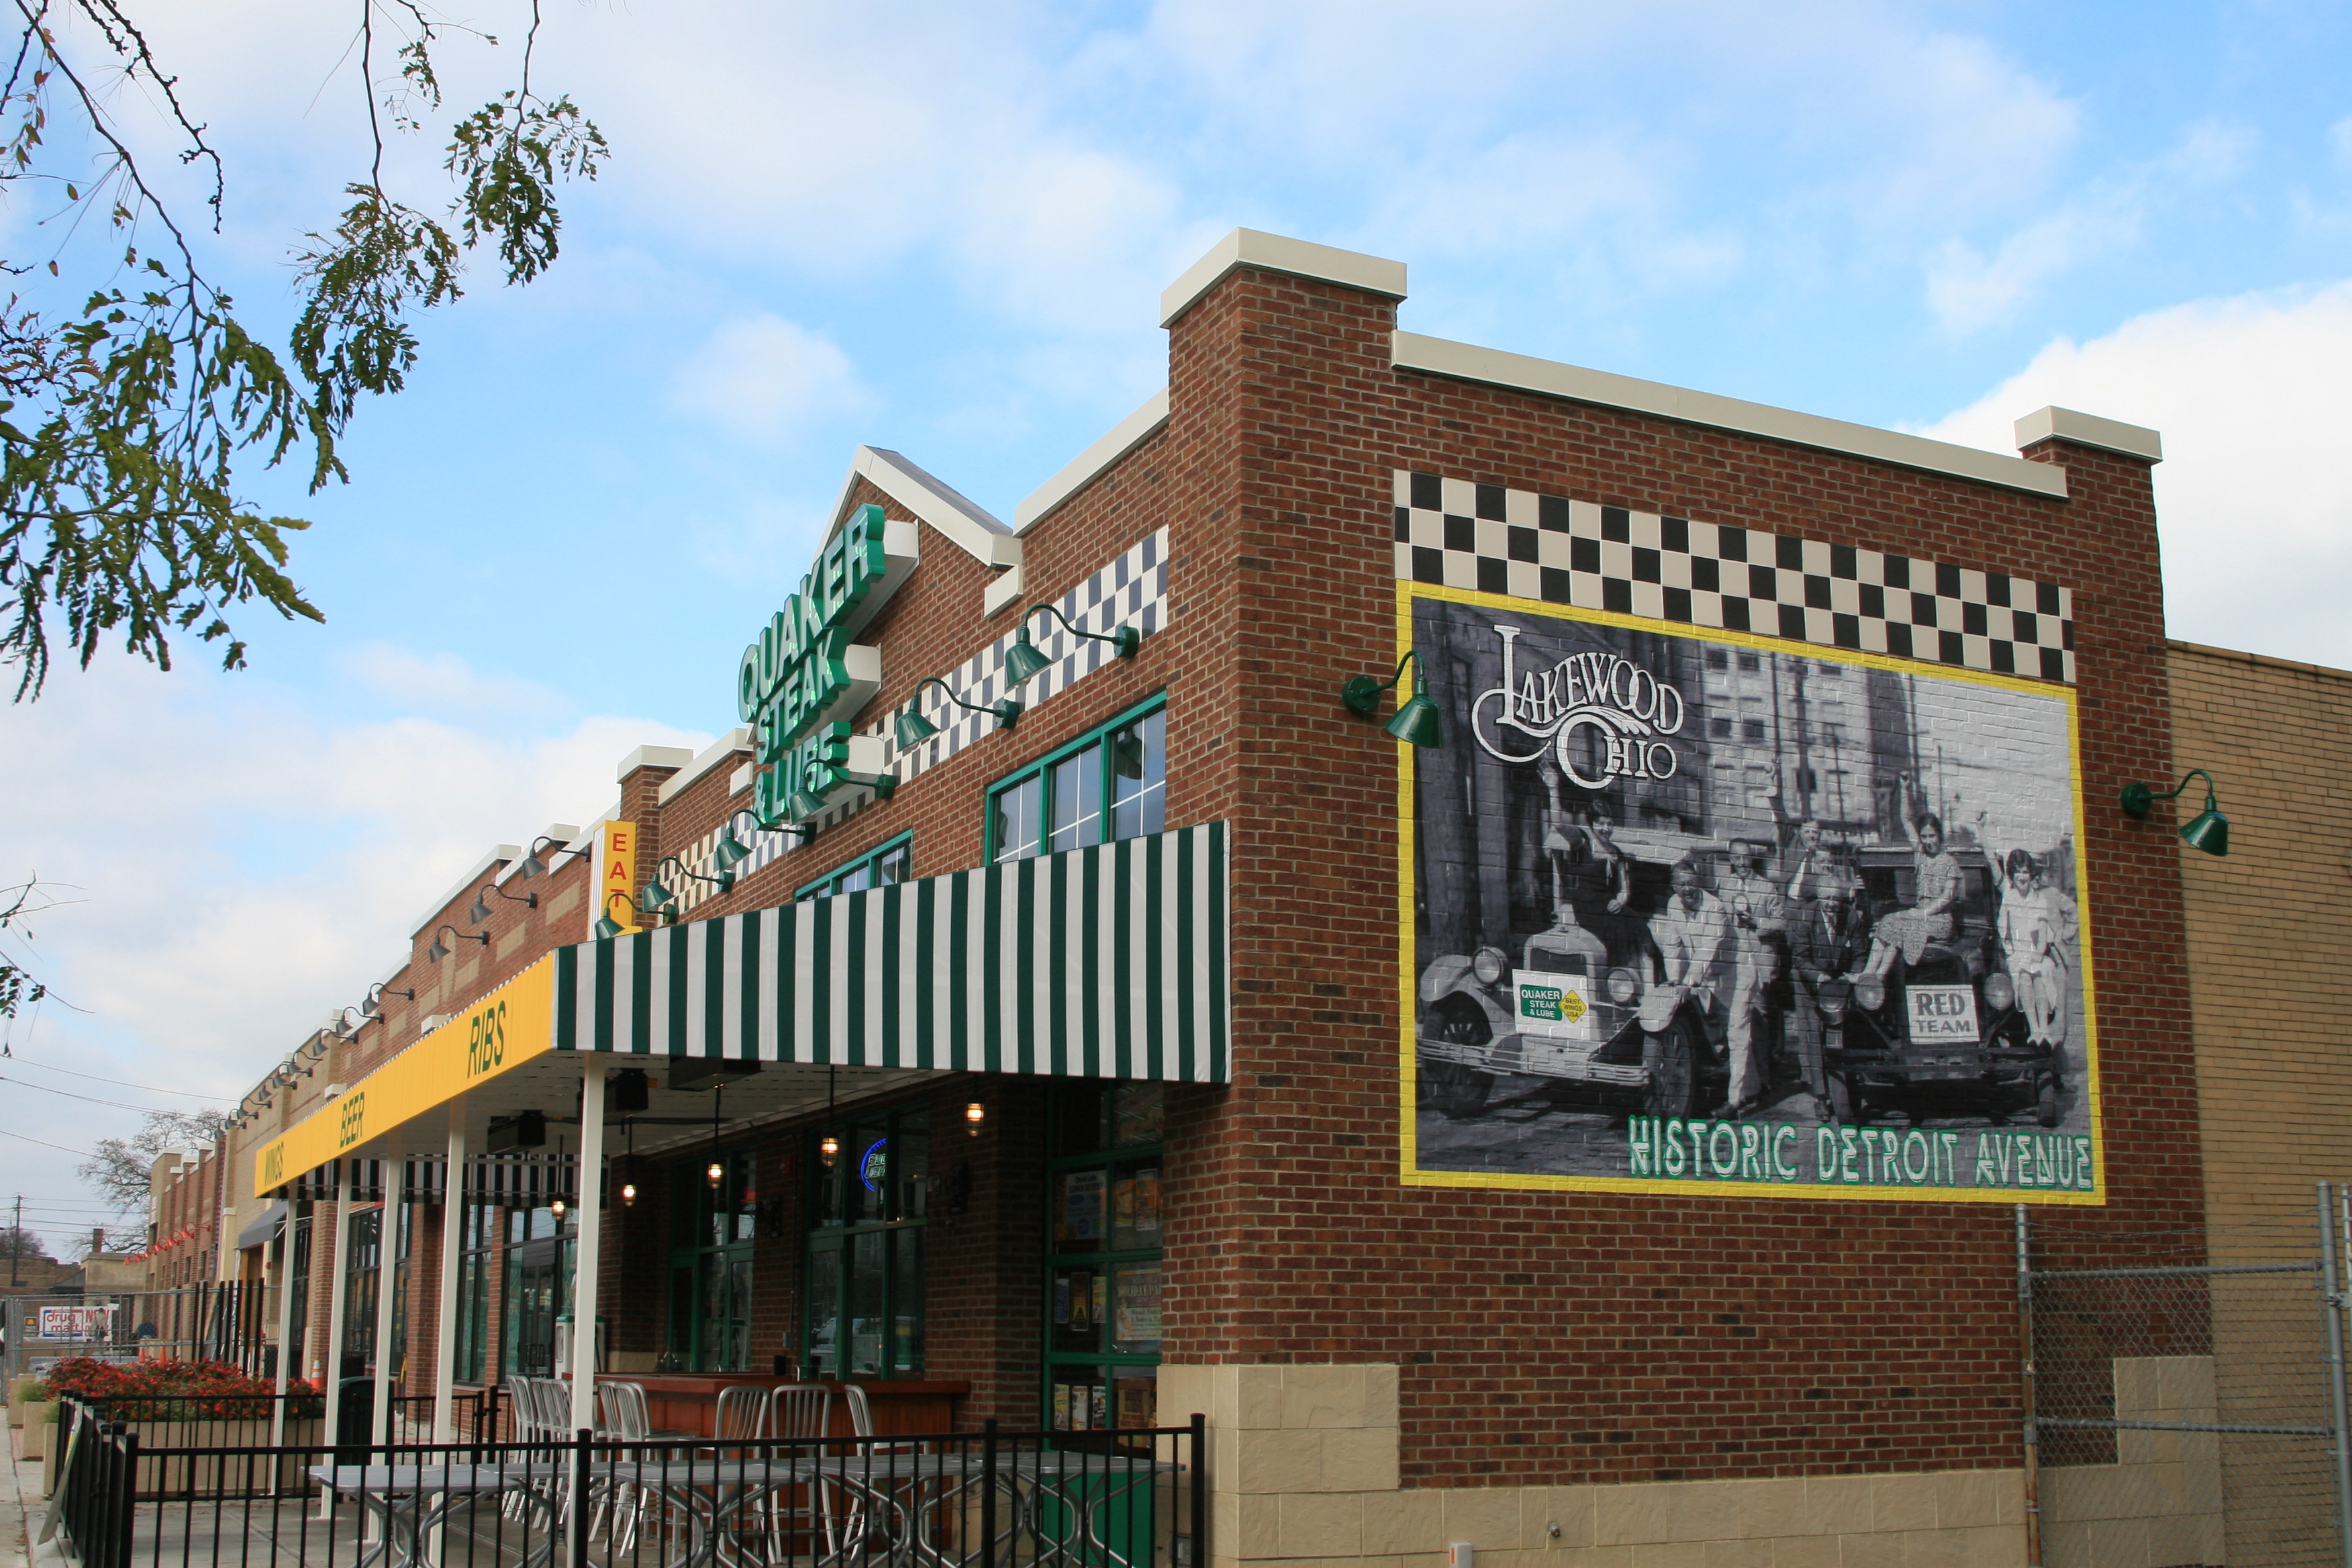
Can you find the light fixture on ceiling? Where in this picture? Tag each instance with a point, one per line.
(912, 729)
(2209, 830)
(1417, 722)
(1022, 661)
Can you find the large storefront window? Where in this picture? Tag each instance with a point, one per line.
(866, 1248)
(477, 1235)
(364, 1244)
(1103, 1260)
(712, 1226)
(1112, 784)
(539, 1290)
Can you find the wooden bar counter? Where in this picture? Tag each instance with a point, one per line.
(688, 1401)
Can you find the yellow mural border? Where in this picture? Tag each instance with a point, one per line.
(1408, 1143)
(496, 1034)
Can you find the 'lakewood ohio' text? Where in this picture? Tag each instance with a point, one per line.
(1695, 1149)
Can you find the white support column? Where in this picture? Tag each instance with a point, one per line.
(285, 1324)
(453, 1242)
(590, 1207)
(387, 1280)
(338, 1277)
(331, 1361)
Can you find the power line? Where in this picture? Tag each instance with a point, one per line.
(148, 1088)
(85, 1099)
(58, 1147)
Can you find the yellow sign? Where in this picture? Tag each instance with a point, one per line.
(617, 887)
(501, 1031)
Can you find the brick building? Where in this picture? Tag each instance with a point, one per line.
(1583, 1114)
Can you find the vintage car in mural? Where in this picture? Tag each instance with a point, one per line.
(1942, 1037)
(1563, 1012)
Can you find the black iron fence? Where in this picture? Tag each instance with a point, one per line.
(991, 1499)
(294, 1420)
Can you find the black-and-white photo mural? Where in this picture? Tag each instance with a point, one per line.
(1689, 907)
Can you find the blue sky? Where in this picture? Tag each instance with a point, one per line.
(944, 229)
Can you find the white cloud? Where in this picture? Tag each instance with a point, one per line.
(248, 864)
(1968, 291)
(2339, 141)
(767, 379)
(2253, 501)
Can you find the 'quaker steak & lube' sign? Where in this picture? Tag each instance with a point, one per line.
(802, 678)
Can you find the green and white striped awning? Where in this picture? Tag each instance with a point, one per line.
(1108, 961)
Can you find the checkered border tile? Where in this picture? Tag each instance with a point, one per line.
(1532, 546)
(1130, 591)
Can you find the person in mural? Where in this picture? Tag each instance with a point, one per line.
(1815, 863)
(1936, 889)
(2038, 927)
(1696, 945)
(1828, 936)
(1758, 931)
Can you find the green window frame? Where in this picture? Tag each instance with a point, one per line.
(1104, 1257)
(862, 1312)
(1110, 782)
(711, 1277)
(891, 862)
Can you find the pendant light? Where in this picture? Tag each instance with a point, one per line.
(828, 1146)
(716, 1172)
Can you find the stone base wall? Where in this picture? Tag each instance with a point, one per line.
(2160, 1502)
(1303, 1467)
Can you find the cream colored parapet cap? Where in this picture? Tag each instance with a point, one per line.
(2090, 430)
(963, 521)
(1124, 437)
(1276, 253)
(1465, 362)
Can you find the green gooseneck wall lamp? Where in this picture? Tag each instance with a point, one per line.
(440, 949)
(1417, 722)
(2208, 830)
(1023, 660)
(733, 851)
(606, 926)
(656, 896)
(534, 864)
(913, 728)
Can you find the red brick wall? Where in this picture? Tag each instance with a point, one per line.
(1586, 1335)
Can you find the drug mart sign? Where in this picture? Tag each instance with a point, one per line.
(803, 679)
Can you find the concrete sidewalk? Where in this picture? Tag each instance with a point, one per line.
(21, 1507)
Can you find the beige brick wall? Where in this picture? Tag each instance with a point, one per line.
(2269, 973)
(1303, 1461)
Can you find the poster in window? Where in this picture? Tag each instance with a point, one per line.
(1060, 1301)
(1135, 1326)
(1147, 1208)
(1082, 1302)
(1082, 1207)
(1689, 909)
(1061, 1407)
(1137, 1402)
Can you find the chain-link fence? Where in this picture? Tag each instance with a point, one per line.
(2186, 1413)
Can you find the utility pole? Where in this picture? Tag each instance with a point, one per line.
(16, 1241)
